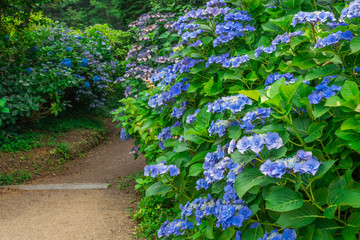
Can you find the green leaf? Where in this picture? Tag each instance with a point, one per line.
(323, 169)
(334, 101)
(298, 218)
(253, 94)
(234, 132)
(349, 90)
(304, 61)
(355, 45)
(181, 147)
(352, 226)
(227, 234)
(253, 234)
(283, 200)
(344, 197)
(315, 130)
(320, 110)
(203, 118)
(156, 188)
(196, 169)
(209, 233)
(238, 157)
(248, 178)
(351, 124)
(324, 71)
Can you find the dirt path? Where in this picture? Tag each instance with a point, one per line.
(76, 214)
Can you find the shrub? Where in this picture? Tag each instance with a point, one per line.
(254, 130)
(48, 68)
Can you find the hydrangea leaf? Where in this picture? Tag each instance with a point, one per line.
(249, 178)
(299, 217)
(355, 45)
(324, 71)
(195, 169)
(283, 200)
(253, 234)
(344, 197)
(349, 90)
(227, 234)
(352, 226)
(157, 188)
(315, 131)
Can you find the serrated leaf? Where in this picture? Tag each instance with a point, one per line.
(248, 178)
(298, 218)
(283, 200)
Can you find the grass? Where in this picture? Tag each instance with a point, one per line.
(16, 177)
(125, 182)
(47, 129)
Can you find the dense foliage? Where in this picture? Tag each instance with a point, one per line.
(81, 13)
(254, 128)
(46, 68)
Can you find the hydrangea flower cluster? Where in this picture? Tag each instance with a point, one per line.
(219, 127)
(288, 234)
(302, 162)
(178, 112)
(212, 3)
(323, 91)
(333, 25)
(226, 62)
(231, 212)
(177, 88)
(234, 103)
(6, 38)
(277, 76)
(227, 31)
(256, 143)
(313, 17)
(176, 227)
(66, 62)
(160, 169)
(165, 134)
(249, 117)
(334, 38)
(284, 38)
(351, 12)
(192, 117)
(124, 135)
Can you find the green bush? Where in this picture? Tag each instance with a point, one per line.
(253, 132)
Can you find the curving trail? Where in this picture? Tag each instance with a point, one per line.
(75, 214)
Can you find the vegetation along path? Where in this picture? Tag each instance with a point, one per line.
(99, 212)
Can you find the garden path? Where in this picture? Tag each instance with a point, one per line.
(99, 214)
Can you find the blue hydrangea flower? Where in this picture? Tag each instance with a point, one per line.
(68, 49)
(124, 135)
(165, 134)
(351, 12)
(334, 38)
(213, 3)
(323, 91)
(28, 70)
(288, 234)
(219, 127)
(87, 85)
(79, 37)
(84, 62)
(302, 162)
(233, 103)
(96, 79)
(66, 62)
(160, 169)
(176, 227)
(34, 49)
(192, 117)
(273, 140)
(6, 38)
(178, 112)
(333, 25)
(313, 17)
(289, 77)
(201, 183)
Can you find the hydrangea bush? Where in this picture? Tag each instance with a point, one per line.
(254, 128)
(46, 68)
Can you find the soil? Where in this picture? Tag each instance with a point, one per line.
(77, 214)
